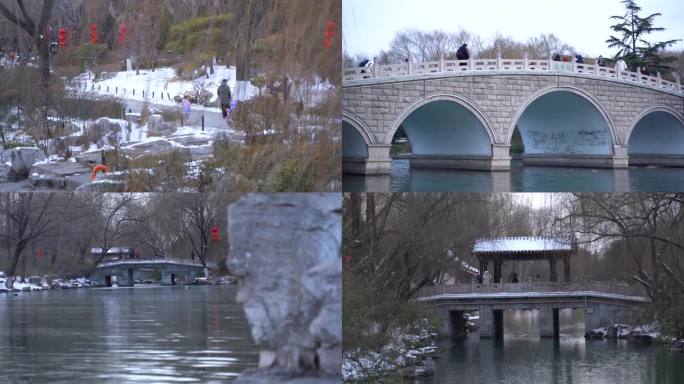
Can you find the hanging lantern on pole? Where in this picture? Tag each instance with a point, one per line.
(215, 233)
(329, 34)
(122, 34)
(62, 37)
(93, 33)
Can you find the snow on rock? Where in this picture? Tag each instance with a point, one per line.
(406, 354)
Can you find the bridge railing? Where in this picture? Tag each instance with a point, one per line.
(619, 288)
(149, 261)
(483, 65)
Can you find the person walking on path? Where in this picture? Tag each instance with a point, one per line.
(224, 97)
(186, 108)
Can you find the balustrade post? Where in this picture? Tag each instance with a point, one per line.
(525, 61)
(441, 63)
(375, 70)
(678, 86)
(498, 58)
(574, 64)
(410, 67)
(658, 80)
(596, 68)
(470, 64)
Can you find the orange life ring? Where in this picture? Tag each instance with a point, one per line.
(97, 168)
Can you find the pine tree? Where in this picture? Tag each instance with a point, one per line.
(636, 51)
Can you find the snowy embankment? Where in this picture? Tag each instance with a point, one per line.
(161, 85)
(406, 355)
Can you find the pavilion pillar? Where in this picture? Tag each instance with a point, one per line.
(483, 268)
(497, 271)
(552, 269)
(566, 269)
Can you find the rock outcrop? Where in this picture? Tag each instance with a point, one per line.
(285, 248)
(22, 159)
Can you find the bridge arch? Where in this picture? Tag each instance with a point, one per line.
(564, 120)
(355, 137)
(475, 137)
(656, 131)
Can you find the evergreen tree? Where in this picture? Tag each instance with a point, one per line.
(636, 51)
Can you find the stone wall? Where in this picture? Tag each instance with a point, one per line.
(285, 248)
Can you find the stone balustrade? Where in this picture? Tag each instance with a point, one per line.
(359, 74)
(617, 288)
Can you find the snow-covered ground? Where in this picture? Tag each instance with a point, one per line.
(160, 84)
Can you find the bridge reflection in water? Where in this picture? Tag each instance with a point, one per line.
(602, 303)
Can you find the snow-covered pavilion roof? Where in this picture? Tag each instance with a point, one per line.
(111, 251)
(521, 244)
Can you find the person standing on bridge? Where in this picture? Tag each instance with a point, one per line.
(224, 97)
(601, 62)
(620, 65)
(462, 53)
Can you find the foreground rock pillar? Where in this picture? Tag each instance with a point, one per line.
(285, 249)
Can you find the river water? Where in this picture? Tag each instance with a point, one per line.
(523, 357)
(192, 334)
(520, 179)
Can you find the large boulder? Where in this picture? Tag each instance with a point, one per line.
(103, 130)
(286, 248)
(103, 186)
(22, 159)
(4, 172)
(154, 120)
(163, 129)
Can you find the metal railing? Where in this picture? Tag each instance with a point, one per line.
(517, 65)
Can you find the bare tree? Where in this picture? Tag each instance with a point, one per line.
(36, 28)
(26, 220)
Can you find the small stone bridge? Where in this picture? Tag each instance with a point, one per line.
(603, 304)
(463, 114)
(126, 269)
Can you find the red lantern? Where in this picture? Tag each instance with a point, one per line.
(329, 34)
(40, 253)
(122, 34)
(93, 33)
(62, 37)
(215, 233)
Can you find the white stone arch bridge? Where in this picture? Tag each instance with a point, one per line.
(463, 114)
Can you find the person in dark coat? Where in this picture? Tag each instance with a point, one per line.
(556, 57)
(601, 62)
(462, 53)
(579, 59)
(224, 97)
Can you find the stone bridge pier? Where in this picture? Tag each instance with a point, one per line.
(468, 120)
(491, 322)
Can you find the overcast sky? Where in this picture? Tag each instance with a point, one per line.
(370, 25)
